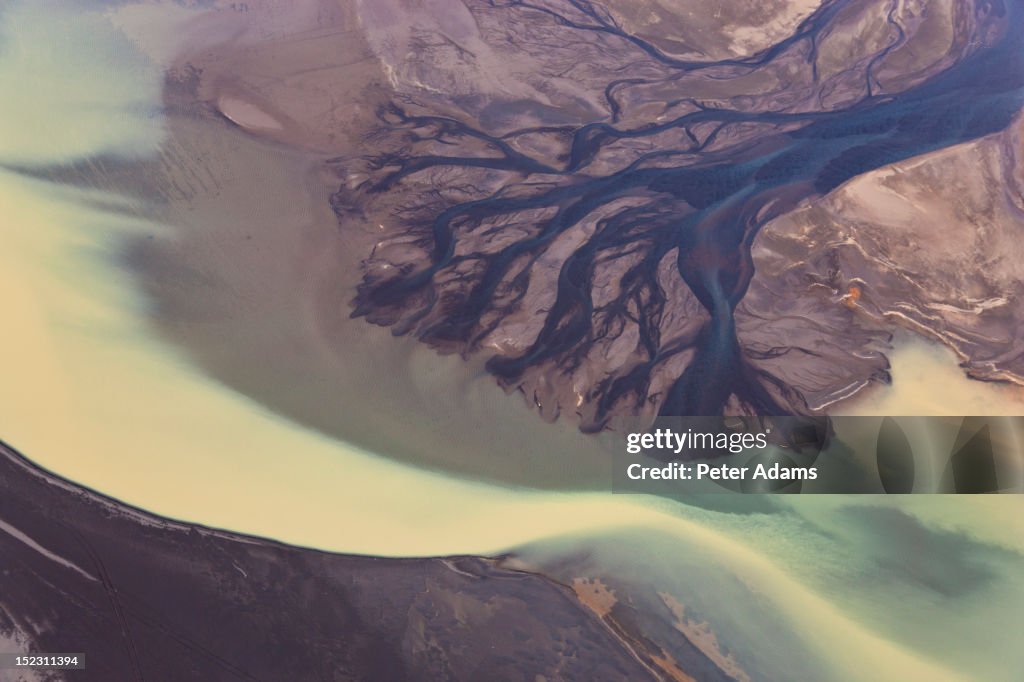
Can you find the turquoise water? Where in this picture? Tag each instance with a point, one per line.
(920, 588)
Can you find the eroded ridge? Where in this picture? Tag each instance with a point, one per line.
(589, 225)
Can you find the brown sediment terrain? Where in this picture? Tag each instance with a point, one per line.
(372, 95)
(250, 274)
(247, 115)
(703, 638)
(252, 279)
(149, 598)
(929, 244)
(306, 66)
(600, 599)
(595, 303)
(670, 645)
(581, 230)
(692, 29)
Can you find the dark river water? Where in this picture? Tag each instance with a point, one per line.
(705, 204)
(94, 390)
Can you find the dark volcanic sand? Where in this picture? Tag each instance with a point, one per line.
(150, 599)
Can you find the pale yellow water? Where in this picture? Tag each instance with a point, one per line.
(928, 381)
(91, 390)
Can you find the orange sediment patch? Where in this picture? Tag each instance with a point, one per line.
(700, 635)
(600, 599)
(852, 296)
(595, 595)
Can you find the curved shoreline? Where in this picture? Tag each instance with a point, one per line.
(224, 599)
(137, 419)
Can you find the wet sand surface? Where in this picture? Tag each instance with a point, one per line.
(252, 284)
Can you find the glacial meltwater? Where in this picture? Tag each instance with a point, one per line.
(106, 387)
